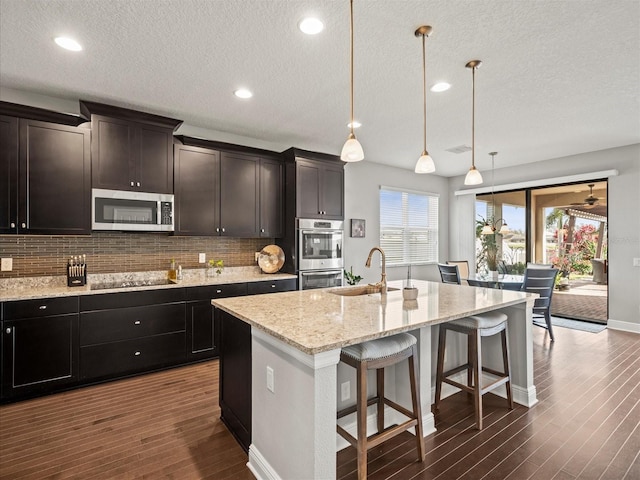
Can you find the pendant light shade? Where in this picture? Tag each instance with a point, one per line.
(473, 176)
(425, 162)
(352, 150)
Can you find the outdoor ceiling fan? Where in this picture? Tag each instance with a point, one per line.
(590, 201)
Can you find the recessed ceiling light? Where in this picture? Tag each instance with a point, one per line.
(310, 26)
(356, 124)
(68, 43)
(441, 87)
(243, 93)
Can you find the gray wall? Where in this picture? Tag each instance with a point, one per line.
(624, 219)
(362, 185)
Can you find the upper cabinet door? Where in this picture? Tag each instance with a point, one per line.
(112, 151)
(271, 198)
(332, 192)
(197, 191)
(308, 188)
(54, 179)
(320, 189)
(8, 174)
(239, 190)
(155, 160)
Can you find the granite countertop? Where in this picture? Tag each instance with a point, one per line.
(47, 287)
(314, 321)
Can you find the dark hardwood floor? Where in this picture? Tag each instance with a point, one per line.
(166, 425)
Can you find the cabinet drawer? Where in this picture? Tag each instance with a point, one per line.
(217, 291)
(39, 308)
(131, 299)
(127, 323)
(110, 359)
(287, 285)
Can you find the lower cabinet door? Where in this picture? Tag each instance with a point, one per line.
(201, 331)
(130, 356)
(38, 354)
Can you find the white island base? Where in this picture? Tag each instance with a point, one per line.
(294, 410)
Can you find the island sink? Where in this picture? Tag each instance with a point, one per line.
(359, 290)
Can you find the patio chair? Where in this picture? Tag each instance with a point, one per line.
(449, 273)
(541, 281)
(599, 275)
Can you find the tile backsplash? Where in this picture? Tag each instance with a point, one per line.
(113, 252)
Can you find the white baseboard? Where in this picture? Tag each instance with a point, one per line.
(260, 468)
(623, 326)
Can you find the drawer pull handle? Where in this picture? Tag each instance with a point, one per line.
(218, 291)
(273, 286)
(42, 307)
(137, 322)
(137, 354)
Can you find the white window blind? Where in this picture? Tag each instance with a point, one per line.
(408, 226)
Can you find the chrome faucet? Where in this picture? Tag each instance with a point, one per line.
(383, 281)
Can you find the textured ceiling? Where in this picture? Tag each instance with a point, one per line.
(558, 77)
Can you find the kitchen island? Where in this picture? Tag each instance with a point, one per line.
(296, 339)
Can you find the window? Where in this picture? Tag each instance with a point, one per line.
(408, 226)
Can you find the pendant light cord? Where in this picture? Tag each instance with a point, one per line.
(351, 73)
(424, 93)
(473, 117)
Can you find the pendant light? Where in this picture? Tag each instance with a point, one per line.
(425, 162)
(352, 150)
(473, 176)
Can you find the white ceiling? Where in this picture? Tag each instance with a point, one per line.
(558, 77)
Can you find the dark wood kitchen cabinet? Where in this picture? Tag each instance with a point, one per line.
(39, 346)
(125, 333)
(271, 198)
(320, 190)
(203, 329)
(235, 377)
(197, 190)
(46, 174)
(227, 193)
(130, 150)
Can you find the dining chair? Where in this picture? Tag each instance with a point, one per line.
(539, 265)
(449, 273)
(482, 283)
(463, 267)
(542, 282)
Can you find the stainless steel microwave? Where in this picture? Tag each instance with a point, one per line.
(134, 211)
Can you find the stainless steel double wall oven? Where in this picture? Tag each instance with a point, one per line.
(320, 261)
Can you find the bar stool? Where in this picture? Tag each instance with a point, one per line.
(475, 327)
(376, 355)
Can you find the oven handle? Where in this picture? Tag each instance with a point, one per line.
(328, 272)
(330, 232)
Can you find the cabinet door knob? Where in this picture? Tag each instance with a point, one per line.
(137, 354)
(137, 322)
(42, 307)
(223, 230)
(217, 229)
(8, 329)
(262, 230)
(13, 225)
(138, 184)
(132, 184)
(24, 225)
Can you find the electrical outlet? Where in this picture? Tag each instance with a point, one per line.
(202, 257)
(345, 391)
(6, 265)
(270, 380)
(636, 262)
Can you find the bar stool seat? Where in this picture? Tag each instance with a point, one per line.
(475, 327)
(376, 355)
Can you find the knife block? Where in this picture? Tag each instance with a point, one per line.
(76, 280)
